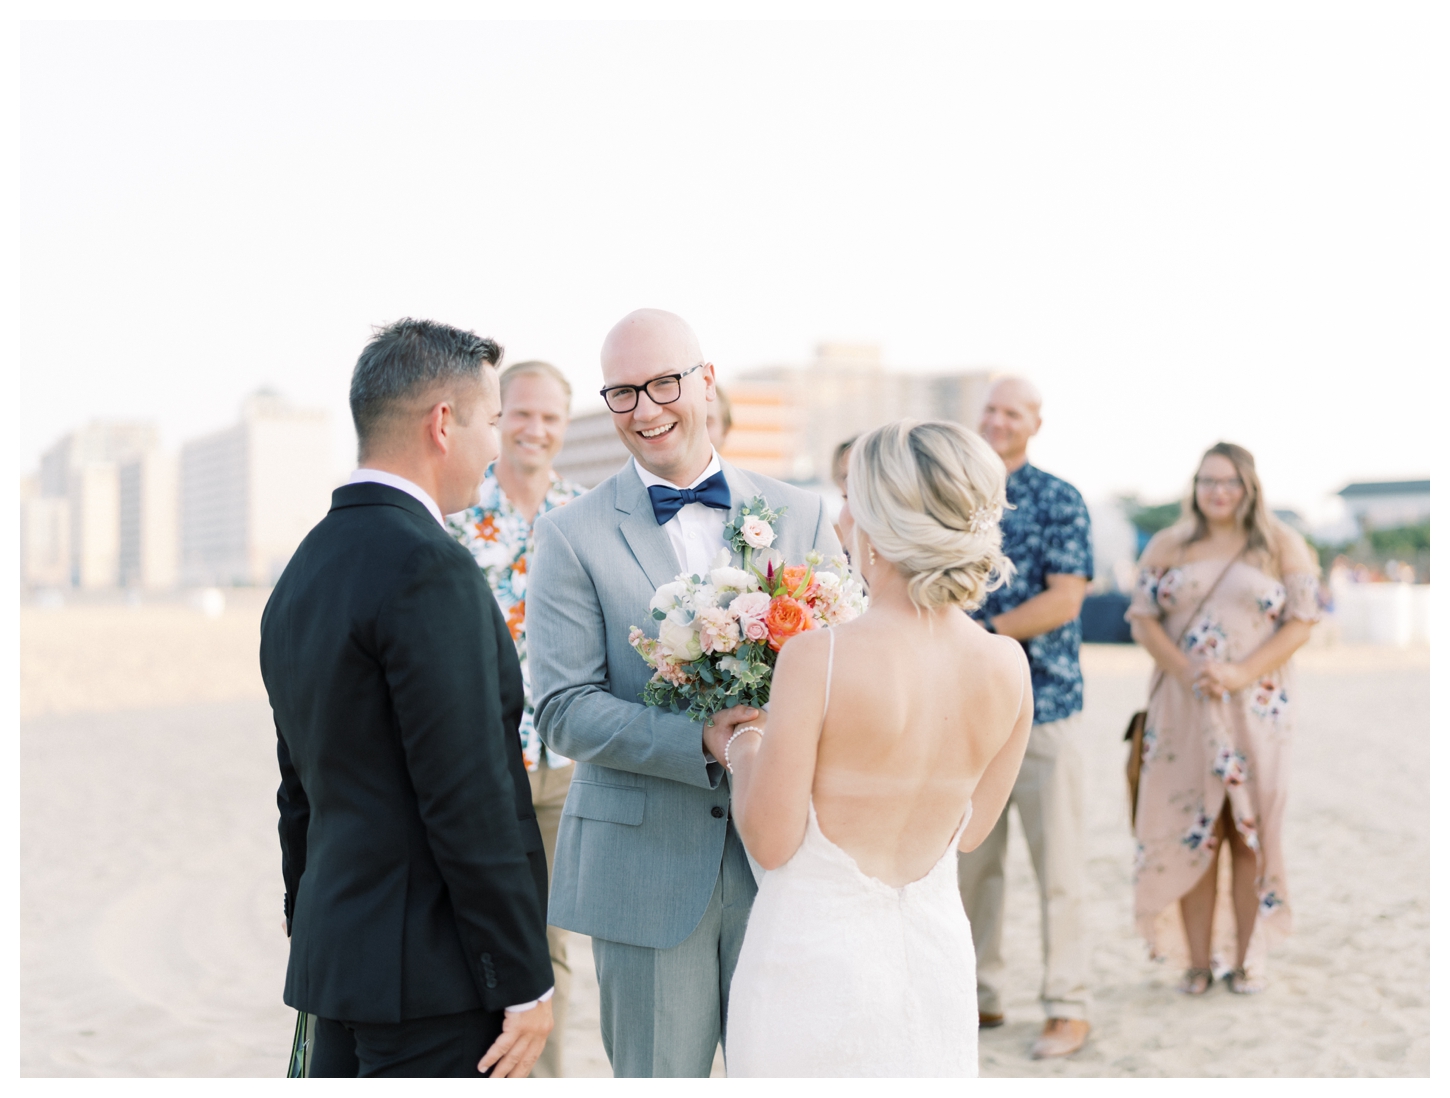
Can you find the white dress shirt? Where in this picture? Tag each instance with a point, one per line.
(696, 532)
(403, 484)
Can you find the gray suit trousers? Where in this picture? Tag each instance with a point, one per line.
(662, 1012)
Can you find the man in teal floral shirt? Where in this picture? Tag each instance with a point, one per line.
(499, 532)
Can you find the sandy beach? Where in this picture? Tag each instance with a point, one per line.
(151, 890)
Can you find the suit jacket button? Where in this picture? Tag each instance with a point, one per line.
(490, 982)
(718, 812)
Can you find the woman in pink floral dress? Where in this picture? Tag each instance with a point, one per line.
(1220, 712)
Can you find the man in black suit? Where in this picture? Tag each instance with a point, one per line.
(414, 870)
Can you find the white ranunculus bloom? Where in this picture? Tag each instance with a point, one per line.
(736, 579)
(704, 596)
(668, 597)
(679, 641)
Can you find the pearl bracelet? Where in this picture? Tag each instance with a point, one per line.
(744, 728)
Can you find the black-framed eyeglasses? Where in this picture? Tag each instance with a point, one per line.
(1228, 484)
(664, 389)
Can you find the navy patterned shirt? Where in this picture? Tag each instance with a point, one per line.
(1046, 534)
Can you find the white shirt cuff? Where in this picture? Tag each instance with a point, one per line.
(544, 998)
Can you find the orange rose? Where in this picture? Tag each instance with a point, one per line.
(784, 618)
(794, 576)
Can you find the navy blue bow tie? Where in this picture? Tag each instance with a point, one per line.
(667, 501)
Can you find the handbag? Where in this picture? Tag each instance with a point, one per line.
(1138, 723)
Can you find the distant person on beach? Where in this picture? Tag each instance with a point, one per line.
(1046, 535)
(840, 467)
(719, 420)
(499, 531)
(415, 873)
(1224, 598)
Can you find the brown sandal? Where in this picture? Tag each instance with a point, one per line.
(1196, 981)
(1241, 983)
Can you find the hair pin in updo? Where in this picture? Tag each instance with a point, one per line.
(981, 520)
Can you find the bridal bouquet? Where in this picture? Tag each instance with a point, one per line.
(719, 634)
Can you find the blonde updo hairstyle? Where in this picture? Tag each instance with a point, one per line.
(929, 496)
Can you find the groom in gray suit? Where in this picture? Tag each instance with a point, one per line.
(648, 862)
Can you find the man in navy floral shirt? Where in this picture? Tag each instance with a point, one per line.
(1047, 537)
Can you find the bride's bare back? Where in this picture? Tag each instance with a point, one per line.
(927, 710)
(926, 713)
(918, 709)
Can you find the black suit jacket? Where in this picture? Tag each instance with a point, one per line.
(413, 864)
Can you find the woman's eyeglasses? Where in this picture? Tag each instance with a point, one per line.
(1208, 484)
(662, 390)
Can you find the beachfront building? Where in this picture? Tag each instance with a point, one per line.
(149, 547)
(592, 449)
(251, 492)
(44, 537)
(71, 511)
(1386, 504)
(788, 420)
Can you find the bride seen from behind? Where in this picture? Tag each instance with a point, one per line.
(891, 742)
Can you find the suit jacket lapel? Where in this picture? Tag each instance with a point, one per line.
(649, 544)
(741, 491)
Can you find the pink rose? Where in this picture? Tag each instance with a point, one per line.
(750, 609)
(755, 629)
(757, 532)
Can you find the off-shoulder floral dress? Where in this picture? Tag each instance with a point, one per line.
(1198, 752)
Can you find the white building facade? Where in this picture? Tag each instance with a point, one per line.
(250, 493)
(149, 547)
(1386, 504)
(71, 512)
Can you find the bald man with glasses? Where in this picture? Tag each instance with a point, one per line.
(648, 862)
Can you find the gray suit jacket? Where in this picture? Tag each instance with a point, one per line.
(644, 826)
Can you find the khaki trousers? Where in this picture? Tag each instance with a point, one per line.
(1049, 799)
(550, 787)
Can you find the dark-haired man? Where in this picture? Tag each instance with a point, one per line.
(413, 865)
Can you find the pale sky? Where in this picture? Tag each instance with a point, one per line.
(1183, 232)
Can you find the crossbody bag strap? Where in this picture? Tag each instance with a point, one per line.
(1193, 617)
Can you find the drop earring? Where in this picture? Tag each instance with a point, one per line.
(871, 553)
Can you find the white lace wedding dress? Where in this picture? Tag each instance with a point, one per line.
(842, 975)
